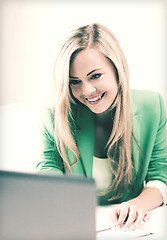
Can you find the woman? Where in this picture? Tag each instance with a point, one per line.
(99, 128)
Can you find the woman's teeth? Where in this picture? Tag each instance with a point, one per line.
(94, 99)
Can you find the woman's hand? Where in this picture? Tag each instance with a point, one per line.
(128, 216)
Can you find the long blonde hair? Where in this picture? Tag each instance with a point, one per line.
(119, 143)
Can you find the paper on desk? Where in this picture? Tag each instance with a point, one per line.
(120, 234)
(153, 229)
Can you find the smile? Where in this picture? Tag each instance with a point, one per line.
(95, 99)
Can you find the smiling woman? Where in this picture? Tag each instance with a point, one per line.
(96, 86)
(100, 128)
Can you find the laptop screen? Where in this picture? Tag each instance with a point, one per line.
(35, 206)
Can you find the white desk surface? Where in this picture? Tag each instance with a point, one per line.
(155, 228)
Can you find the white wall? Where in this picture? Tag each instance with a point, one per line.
(32, 31)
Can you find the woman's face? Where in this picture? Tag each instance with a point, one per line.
(93, 80)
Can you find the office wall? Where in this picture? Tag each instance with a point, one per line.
(32, 32)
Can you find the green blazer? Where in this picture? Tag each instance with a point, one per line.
(148, 125)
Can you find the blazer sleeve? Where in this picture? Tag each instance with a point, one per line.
(50, 160)
(157, 169)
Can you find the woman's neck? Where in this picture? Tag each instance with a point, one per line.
(105, 119)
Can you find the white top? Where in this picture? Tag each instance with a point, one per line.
(103, 177)
(102, 173)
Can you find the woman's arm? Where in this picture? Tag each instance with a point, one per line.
(131, 213)
(149, 199)
(49, 157)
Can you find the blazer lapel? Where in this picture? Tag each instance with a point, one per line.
(77, 168)
(85, 139)
(136, 117)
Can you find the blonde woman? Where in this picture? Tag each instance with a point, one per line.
(100, 128)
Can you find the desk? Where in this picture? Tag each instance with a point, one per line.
(155, 228)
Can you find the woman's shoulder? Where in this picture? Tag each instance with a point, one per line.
(146, 101)
(47, 120)
(144, 95)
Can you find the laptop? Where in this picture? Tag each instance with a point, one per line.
(46, 207)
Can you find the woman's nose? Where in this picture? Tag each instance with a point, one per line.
(88, 89)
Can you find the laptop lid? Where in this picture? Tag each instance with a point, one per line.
(46, 207)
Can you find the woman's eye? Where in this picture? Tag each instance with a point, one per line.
(75, 82)
(95, 76)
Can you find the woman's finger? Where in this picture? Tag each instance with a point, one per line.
(140, 216)
(132, 216)
(139, 219)
(123, 214)
(114, 216)
(147, 216)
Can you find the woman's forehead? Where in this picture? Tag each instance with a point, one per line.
(88, 60)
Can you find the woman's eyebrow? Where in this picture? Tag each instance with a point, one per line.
(93, 71)
(73, 77)
(86, 74)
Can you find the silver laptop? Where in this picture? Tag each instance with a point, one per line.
(46, 207)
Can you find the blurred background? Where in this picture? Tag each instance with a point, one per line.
(32, 33)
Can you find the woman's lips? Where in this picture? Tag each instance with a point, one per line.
(95, 100)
